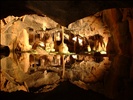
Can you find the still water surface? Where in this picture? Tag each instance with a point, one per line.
(67, 76)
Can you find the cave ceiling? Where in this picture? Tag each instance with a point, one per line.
(63, 12)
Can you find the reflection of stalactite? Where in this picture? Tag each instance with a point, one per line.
(63, 47)
(63, 66)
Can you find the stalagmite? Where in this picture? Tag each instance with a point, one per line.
(89, 48)
(99, 48)
(63, 47)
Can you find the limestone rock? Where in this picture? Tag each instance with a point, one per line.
(23, 41)
(10, 32)
(63, 48)
(120, 30)
(39, 22)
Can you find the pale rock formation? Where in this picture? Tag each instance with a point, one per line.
(23, 41)
(63, 48)
(24, 61)
(39, 22)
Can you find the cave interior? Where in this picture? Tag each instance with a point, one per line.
(66, 50)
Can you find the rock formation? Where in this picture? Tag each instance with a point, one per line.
(31, 20)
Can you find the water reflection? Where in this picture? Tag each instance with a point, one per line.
(39, 73)
(4, 51)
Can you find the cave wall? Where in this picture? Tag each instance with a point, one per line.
(120, 23)
(118, 81)
(15, 31)
(121, 31)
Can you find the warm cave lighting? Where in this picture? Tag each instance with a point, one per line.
(63, 46)
(58, 36)
(103, 52)
(102, 49)
(74, 56)
(80, 41)
(93, 48)
(89, 48)
(74, 39)
(41, 44)
(47, 48)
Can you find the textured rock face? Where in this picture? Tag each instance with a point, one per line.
(15, 30)
(120, 27)
(119, 22)
(119, 80)
(23, 41)
(39, 22)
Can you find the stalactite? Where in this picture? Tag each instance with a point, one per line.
(63, 47)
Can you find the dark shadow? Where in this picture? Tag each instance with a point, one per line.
(65, 91)
(4, 51)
